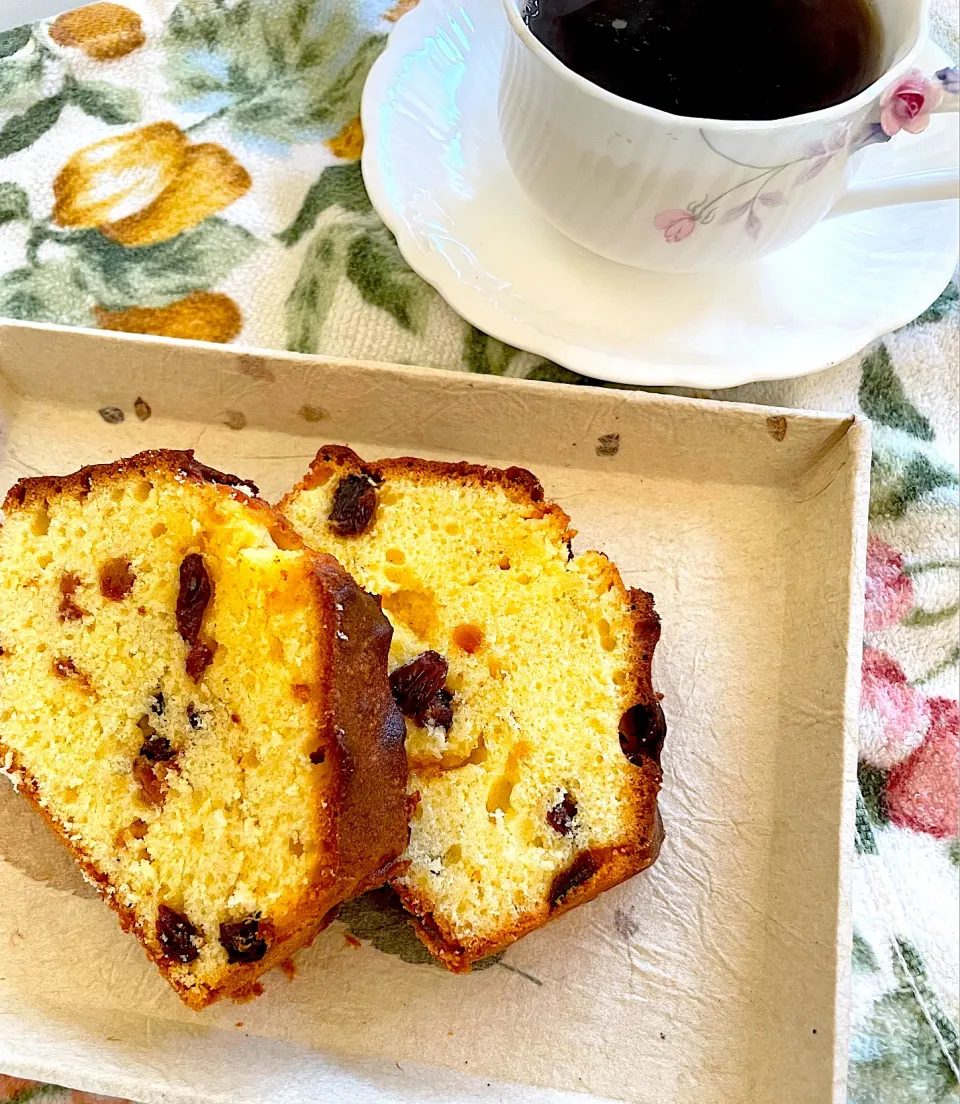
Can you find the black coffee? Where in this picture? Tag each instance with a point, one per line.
(722, 59)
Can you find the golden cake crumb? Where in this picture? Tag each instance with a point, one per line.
(145, 608)
(533, 729)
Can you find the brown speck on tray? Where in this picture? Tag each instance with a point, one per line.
(239, 1023)
(289, 968)
(112, 415)
(777, 426)
(256, 368)
(142, 409)
(352, 941)
(235, 419)
(608, 444)
(625, 924)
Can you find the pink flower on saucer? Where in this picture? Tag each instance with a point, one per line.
(923, 792)
(889, 593)
(907, 104)
(676, 225)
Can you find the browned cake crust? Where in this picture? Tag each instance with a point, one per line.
(643, 727)
(518, 483)
(357, 723)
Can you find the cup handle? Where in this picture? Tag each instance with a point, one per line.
(917, 187)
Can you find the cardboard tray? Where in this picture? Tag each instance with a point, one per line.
(719, 975)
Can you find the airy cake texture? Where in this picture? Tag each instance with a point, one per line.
(199, 707)
(533, 729)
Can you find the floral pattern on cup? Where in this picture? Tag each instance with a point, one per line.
(676, 224)
(947, 81)
(907, 105)
(679, 223)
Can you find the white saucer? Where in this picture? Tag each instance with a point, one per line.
(436, 173)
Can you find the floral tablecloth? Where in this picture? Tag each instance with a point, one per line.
(191, 170)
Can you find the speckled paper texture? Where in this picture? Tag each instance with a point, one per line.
(720, 974)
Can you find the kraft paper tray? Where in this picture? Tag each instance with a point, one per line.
(718, 976)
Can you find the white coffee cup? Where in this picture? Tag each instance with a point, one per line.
(676, 194)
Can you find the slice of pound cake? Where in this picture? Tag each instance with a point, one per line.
(199, 707)
(533, 729)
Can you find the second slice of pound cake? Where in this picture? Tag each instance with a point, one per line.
(524, 672)
(198, 705)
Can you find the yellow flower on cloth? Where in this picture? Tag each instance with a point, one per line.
(203, 316)
(348, 144)
(102, 31)
(399, 10)
(146, 186)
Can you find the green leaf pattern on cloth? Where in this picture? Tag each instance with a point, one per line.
(118, 277)
(46, 292)
(21, 70)
(882, 397)
(864, 960)
(247, 219)
(354, 245)
(104, 101)
(339, 186)
(379, 919)
(14, 40)
(289, 71)
(385, 280)
(14, 203)
(21, 131)
(872, 784)
(312, 295)
(908, 1049)
(903, 476)
(487, 355)
(943, 306)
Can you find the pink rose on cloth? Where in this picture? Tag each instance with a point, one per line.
(894, 717)
(12, 1087)
(77, 1096)
(907, 104)
(923, 792)
(676, 225)
(889, 592)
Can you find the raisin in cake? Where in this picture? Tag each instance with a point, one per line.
(199, 706)
(533, 729)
